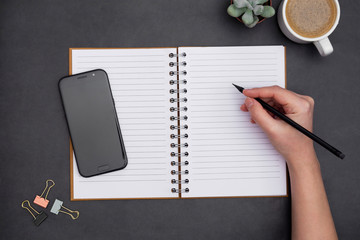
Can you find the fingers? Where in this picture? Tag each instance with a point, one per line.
(259, 114)
(244, 108)
(270, 102)
(287, 99)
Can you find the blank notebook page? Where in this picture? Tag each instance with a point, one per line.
(139, 80)
(228, 155)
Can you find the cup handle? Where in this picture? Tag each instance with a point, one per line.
(324, 47)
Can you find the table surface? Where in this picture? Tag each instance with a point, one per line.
(34, 143)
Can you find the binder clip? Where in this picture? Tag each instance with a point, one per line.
(56, 208)
(39, 217)
(42, 201)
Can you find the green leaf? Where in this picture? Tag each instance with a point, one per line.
(252, 3)
(241, 3)
(248, 17)
(234, 11)
(261, 1)
(268, 12)
(253, 24)
(258, 10)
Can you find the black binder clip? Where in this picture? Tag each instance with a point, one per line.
(39, 217)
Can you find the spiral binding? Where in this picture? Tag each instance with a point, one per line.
(176, 109)
(176, 100)
(174, 154)
(172, 82)
(173, 127)
(173, 163)
(171, 55)
(172, 136)
(173, 118)
(174, 172)
(172, 100)
(176, 190)
(174, 181)
(172, 64)
(172, 91)
(174, 145)
(172, 73)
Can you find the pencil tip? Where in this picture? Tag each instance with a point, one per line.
(238, 88)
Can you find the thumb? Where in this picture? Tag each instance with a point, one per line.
(259, 114)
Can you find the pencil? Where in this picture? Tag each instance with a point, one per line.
(309, 134)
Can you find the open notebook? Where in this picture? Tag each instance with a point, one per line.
(180, 117)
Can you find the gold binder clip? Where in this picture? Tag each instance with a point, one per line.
(56, 208)
(39, 217)
(42, 201)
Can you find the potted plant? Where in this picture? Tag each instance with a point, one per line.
(252, 12)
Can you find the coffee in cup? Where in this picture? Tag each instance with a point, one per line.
(311, 18)
(306, 21)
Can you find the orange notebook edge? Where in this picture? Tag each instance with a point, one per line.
(179, 197)
(71, 149)
(287, 171)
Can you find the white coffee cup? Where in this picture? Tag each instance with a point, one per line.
(322, 43)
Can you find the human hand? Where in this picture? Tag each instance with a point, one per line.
(289, 142)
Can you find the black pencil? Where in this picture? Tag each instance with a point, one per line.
(297, 126)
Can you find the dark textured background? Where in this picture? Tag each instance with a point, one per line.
(34, 143)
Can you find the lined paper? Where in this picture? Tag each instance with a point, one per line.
(139, 80)
(228, 155)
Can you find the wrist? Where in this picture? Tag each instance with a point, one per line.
(305, 161)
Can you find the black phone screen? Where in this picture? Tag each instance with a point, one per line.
(93, 123)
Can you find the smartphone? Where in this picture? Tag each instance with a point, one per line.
(93, 123)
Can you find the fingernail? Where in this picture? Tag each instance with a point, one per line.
(249, 102)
